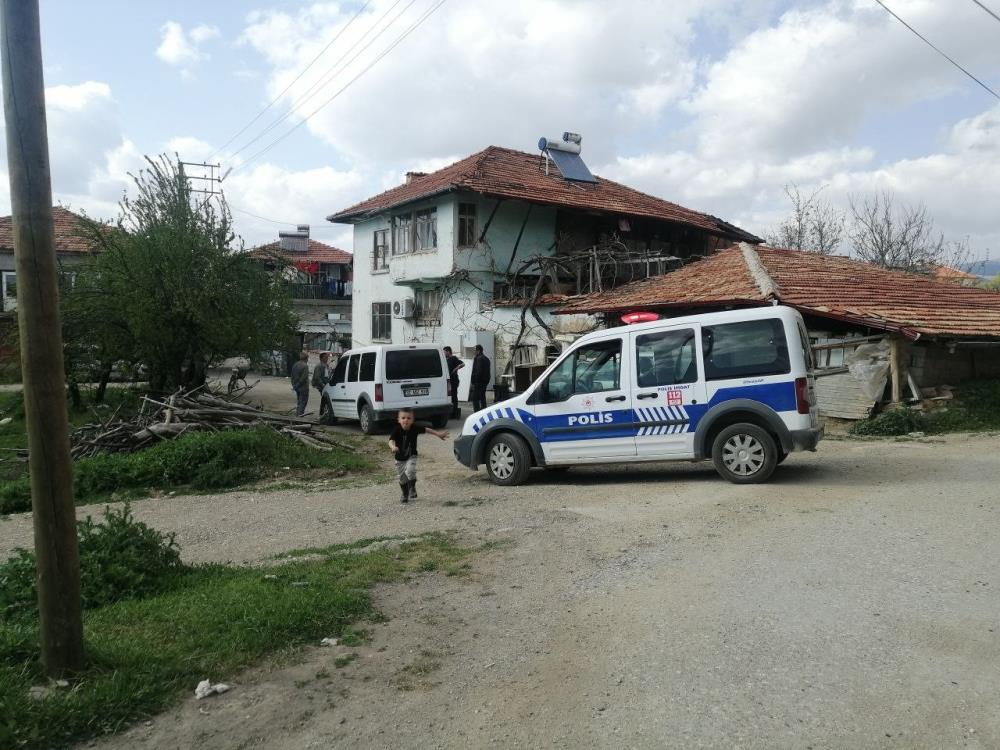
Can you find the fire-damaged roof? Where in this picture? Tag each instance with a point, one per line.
(318, 252)
(506, 173)
(826, 286)
(66, 227)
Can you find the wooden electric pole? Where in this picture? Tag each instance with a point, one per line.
(56, 552)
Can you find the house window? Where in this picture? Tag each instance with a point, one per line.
(467, 224)
(426, 229)
(428, 304)
(380, 251)
(381, 321)
(9, 290)
(521, 288)
(414, 231)
(402, 234)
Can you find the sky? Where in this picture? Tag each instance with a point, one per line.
(713, 104)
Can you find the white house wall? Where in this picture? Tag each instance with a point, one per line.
(465, 276)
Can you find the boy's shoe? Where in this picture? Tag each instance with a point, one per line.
(413, 489)
(404, 486)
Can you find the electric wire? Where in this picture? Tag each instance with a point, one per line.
(427, 14)
(327, 76)
(312, 227)
(931, 45)
(284, 91)
(986, 9)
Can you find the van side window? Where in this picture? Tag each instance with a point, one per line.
(666, 358)
(339, 371)
(589, 369)
(352, 368)
(367, 367)
(747, 349)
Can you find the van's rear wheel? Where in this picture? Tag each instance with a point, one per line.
(744, 454)
(507, 460)
(367, 419)
(439, 422)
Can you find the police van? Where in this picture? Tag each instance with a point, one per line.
(735, 386)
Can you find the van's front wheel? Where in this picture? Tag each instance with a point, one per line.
(507, 460)
(744, 454)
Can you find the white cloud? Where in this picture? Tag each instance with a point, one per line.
(183, 49)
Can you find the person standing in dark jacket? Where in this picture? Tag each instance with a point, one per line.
(454, 365)
(480, 378)
(300, 383)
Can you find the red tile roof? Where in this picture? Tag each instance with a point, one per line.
(318, 253)
(505, 173)
(947, 273)
(66, 228)
(826, 286)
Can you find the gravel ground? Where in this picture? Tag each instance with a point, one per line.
(848, 603)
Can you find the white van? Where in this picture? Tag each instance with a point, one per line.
(736, 387)
(372, 383)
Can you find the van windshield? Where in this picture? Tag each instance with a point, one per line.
(408, 364)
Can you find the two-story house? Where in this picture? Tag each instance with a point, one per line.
(479, 252)
(319, 277)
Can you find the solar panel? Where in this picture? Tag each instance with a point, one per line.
(571, 166)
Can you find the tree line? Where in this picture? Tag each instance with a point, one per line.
(878, 228)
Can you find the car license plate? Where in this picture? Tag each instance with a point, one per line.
(416, 391)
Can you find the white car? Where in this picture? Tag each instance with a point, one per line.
(735, 386)
(372, 383)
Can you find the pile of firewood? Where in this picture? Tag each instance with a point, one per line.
(160, 420)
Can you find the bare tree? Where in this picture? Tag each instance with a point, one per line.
(892, 236)
(814, 224)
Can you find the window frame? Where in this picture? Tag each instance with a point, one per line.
(422, 317)
(745, 371)
(407, 226)
(690, 341)
(466, 231)
(541, 394)
(379, 320)
(381, 251)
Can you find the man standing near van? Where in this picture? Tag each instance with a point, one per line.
(480, 378)
(454, 365)
(300, 383)
(321, 376)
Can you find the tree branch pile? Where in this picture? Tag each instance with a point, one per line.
(188, 411)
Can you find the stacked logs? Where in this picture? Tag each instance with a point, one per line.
(159, 420)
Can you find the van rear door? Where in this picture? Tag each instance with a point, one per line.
(414, 377)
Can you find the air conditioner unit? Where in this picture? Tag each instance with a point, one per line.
(404, 308)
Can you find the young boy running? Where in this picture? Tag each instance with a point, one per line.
(403, 443)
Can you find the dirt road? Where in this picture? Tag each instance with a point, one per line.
(849, 603)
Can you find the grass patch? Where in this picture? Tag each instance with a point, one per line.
(199, 461)
(975, 408)
(210, 621)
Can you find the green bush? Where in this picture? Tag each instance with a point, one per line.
(898, 421)
(120, 558)
(199, 460)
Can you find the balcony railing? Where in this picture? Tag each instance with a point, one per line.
(316, 291)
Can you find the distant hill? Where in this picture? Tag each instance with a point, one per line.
(988, 270)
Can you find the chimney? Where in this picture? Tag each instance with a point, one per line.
(297, 241)
(411, 176)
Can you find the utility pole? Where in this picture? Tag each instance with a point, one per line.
(56, 551)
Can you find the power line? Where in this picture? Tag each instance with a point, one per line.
(931, 45)
(986, 9)
(280, 223)
(427, 14)
(327, 76)
(294, 80)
